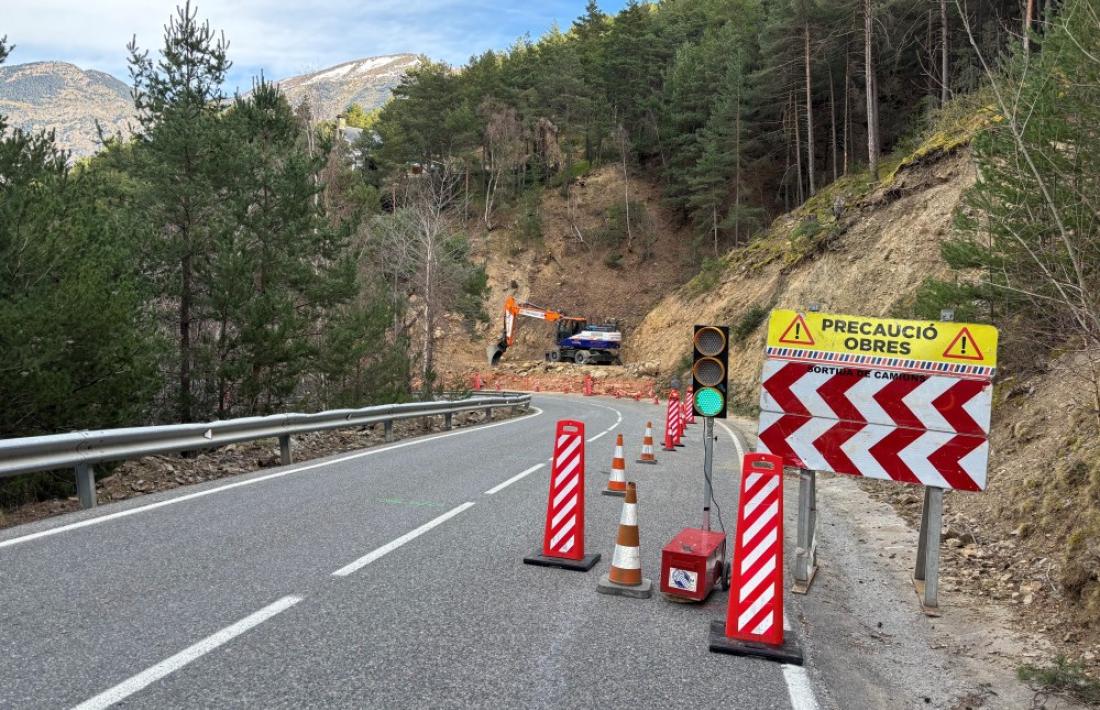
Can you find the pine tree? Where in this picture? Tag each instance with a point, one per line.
(179, 148)
(278, 268)
(73, 332)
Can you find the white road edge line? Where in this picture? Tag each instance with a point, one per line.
(199, 494)
(501, 486)
(799, 688)
(598, 436)
(170, 665)
(391, 546)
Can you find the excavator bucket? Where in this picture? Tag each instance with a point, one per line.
(496, 351)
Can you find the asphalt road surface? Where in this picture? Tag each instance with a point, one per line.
(388, 578)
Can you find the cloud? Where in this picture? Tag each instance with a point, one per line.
(280, 37)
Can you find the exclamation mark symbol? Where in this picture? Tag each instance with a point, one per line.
(798, 333)
(964, 345)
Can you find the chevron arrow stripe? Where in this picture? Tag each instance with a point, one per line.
(912, 428)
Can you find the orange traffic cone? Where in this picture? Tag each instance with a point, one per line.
(616, 484)
(647, 445)
(625, 577)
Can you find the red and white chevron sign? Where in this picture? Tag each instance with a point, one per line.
(924, 429)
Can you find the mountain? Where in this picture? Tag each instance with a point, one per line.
(367, 82)
(66, 99)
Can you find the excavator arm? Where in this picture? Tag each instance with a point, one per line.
(512, 311)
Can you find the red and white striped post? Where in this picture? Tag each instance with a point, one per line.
(563, 537)
(677, 420)
(754, 618)
(670, 423)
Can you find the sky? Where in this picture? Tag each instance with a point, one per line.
(281, 37)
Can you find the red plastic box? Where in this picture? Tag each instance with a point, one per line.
(692, 564)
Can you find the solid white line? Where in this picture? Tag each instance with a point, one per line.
(191, 496)
(799, 688)
(501, 486)
(736, 441)
(170, 665)
(391, 546)
(598, 436)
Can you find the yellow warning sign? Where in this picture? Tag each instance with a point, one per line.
(797, 333)
(906, 344)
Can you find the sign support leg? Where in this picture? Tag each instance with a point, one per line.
(805, 553)
(926, 575)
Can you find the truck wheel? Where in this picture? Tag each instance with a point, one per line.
(553, 356)
(581, 357)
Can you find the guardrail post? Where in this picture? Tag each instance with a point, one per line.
(387, 427)
(284, 449)
(926, 575)
(85, 485)
(448, 420)
(488, 414)
(805, 552)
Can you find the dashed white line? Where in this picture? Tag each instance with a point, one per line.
(259, 479)
(391, 546)
(501, 486)
(170, 665)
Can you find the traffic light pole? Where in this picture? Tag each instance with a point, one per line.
(708, 469)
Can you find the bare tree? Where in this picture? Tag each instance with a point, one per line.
(872, 97)
(504, 149)
(624, 146)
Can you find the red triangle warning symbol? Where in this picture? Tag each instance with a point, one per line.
(964, 347)
(797, 333)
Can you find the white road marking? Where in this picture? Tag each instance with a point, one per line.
(799, 689)
(598, 436)
(391, 546)
(501, 486)
(259, 479)
(170, 665)
(735, 439)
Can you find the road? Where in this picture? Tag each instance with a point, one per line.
(390, 577)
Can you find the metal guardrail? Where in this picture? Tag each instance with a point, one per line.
(84, 449)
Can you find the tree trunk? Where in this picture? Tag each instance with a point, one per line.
(466, 199)
(809, 109)
(714, 226)
(185, 335)
(1029, 13)
(943, 53)
(626, 188)
(847, 112)
(797, 146)
(869, 79)
(832, 121)
(737, 169)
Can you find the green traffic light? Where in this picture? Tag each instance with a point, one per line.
(709, 402)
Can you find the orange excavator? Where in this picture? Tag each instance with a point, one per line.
(577, 341)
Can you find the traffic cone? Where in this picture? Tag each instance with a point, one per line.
(625, 577)
(690, 406)
(647, 445)
(616, 484)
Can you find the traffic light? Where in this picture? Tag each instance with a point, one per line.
(710, 370)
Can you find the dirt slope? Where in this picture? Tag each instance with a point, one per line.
(1031, 543)
(595, 278)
